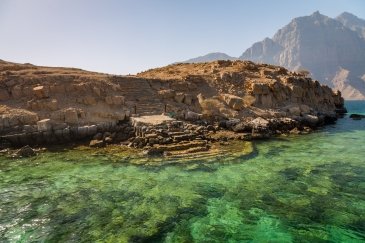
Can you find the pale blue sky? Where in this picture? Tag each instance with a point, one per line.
(128, 36)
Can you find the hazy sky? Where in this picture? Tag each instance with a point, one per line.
(128, 36)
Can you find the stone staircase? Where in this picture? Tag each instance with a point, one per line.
(140, 98)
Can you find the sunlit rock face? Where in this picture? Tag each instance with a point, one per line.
(322, 45)
(42, 105)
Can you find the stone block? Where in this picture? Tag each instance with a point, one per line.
(40, 92)
(71, 116)
(44, 125)
(166, 93)
(52, 105)
(233, 101)
(59, 126)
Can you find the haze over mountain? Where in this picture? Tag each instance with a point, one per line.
(211, 57)
(353, 22)
(333, 50)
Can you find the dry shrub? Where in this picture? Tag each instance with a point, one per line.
(210, 107)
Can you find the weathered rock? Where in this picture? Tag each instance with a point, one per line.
(166, 93)
(25, 151)
(188, 98)
(4, 95)
(179, 97)
(89, 100)
(96, 143)
(304, 108)
(118, 100)
(259, 122)
(44, 125)
(357, 116)
(242, 127)
(233, 101)
(40, 92)
(71, 116)
(294, 110)
(310, 120)
(108, 140)
(153, 152)
(192, 116)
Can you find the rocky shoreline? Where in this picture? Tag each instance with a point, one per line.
(165, 136)
(178, 109)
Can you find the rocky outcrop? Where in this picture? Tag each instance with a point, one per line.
(54, 105)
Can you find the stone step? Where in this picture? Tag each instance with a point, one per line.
(182, 146)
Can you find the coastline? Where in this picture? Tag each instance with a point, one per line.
(180, 108)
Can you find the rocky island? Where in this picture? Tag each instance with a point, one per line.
(180, 108)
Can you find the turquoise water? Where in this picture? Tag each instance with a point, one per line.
(308, 188)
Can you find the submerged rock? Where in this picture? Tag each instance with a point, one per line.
(25, 151)
(357, 116)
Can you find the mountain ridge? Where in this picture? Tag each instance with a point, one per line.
(325, 46)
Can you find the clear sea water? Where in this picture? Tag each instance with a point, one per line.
(308, 188)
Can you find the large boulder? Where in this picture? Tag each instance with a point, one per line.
(233, 101)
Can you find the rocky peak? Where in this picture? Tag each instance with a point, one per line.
(320, 44)
(352, 22)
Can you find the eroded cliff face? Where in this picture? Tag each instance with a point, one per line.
(322, 45)
(41, 104)
(238, 87)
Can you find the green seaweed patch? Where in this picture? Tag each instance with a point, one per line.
(217, 153)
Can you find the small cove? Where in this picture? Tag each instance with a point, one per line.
(307, 188)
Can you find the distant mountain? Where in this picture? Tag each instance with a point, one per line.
(332, 52)
(210, 57)
(352, 22)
